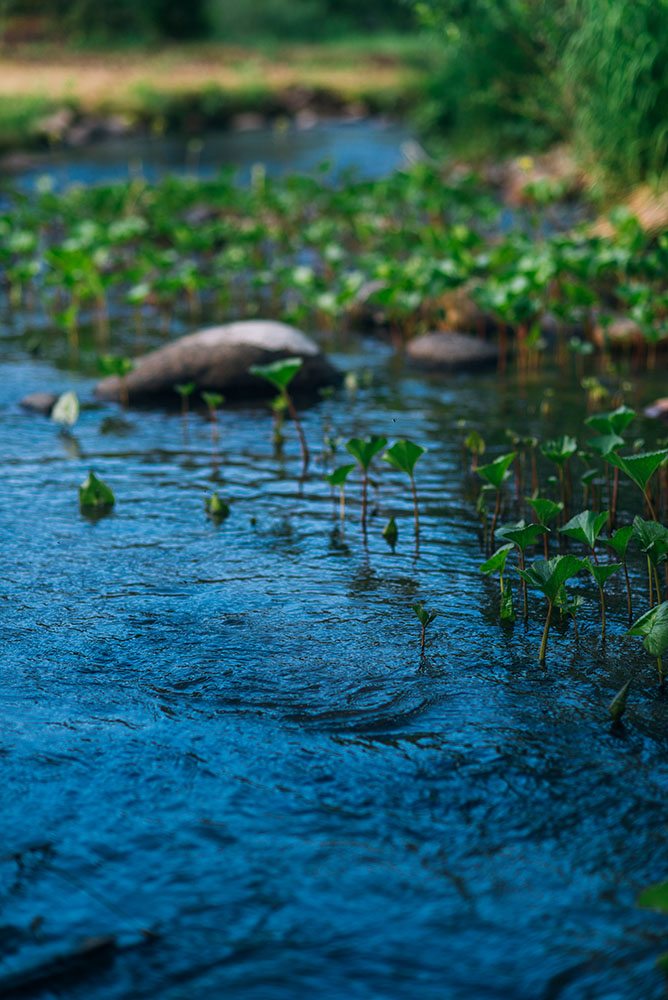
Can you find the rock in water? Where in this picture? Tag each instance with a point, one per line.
(40, 402)
(219, 359)
(449, 352)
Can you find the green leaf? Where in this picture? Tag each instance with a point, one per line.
(403, 455)
(602, 571)
(653, 627)
(549, 575)
(586, 527)
(617, 706)
(495, 472)
(339, 475)
(216, 507)
(279, 373)
(66, 409)
(475, 443)
(544, 509)
(522, 534)
(94, 494)
(364, 450)
(614, 422)
(639, 468)
(497, 562)
(507, 609)
(655, 897)
(213, 400)
(605, 443)
(652, 538)
(423, 616)
(619, 540)
(391, 533)
(560, 449)
(185, 389)
(114, 364)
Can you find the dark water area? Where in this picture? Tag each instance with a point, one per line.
(218, 743)
(223, 734)
(368, 148)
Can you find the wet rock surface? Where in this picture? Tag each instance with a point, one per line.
(451, 352)
(219, 358)
(39, 402)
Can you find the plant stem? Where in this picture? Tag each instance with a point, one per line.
(364, 499)
(416, 513)
(659, 666)
(628, 591)
(300, 432)
(602, 597)
(543, 644)
(495, 518)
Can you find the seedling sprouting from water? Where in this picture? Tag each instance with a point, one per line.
(213, 401)
(66, 410)
(495, 473)
(497, 564)
(217, 508)
(391, 533)
(640, 469)
(549, 576)
(617, 706)
(280, 374)
(560, 451)
(95, 497)
(364, 450)
(619, 543)
(338, 478)
(115, 364)
(475, 445)
(425, 619)
(523, 536)
(569, 604)
(185, 391)
(586, 528)
(546, 511)
(602, 574)
(653, 628)
(404, 455)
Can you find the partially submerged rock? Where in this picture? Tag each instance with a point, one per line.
(39, 402)
(451, 352)
(219, 359)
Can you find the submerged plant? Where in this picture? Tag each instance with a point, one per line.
(391, 533)
(280, 374)
(549, 576)
(95, 496)
(364, 450)
(652, 627)
(425, 619)
(404, 455)
(338, 478)
(217, 508)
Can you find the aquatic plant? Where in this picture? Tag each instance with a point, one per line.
(560, 451)
(549, 576)
(652, 538)
(474, 443)
(546, 511)
(94, 495)
(495, 474)
(66, 410)
(185, 391)
(619, 543)
(522, 536)
(364, 450)
(601, 574)
(338, 479)
(617, 706)
(217, 508)
(497, 564)
(404, 455)
(586, 528)
(280, 374)
(120, 366)
(425, 619)
(640, 470)
(652, 627)
(391, 533)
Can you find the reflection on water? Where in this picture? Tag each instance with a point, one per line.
(222, 734)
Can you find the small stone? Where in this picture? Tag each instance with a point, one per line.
(658, 410)
(39, 402)
(451, 352)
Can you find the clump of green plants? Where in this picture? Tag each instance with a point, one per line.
(550, 576)
(497, 564)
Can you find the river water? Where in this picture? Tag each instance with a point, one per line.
(224, 736)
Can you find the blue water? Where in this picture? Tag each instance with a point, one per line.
(224, 734)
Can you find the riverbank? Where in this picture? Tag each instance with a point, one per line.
(50, 97)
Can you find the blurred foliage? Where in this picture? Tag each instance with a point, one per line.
(534, 71)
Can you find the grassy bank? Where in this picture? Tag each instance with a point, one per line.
(194, 86)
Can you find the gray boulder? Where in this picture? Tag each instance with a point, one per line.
(450, 352)
(218, 358)
(39, 402)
